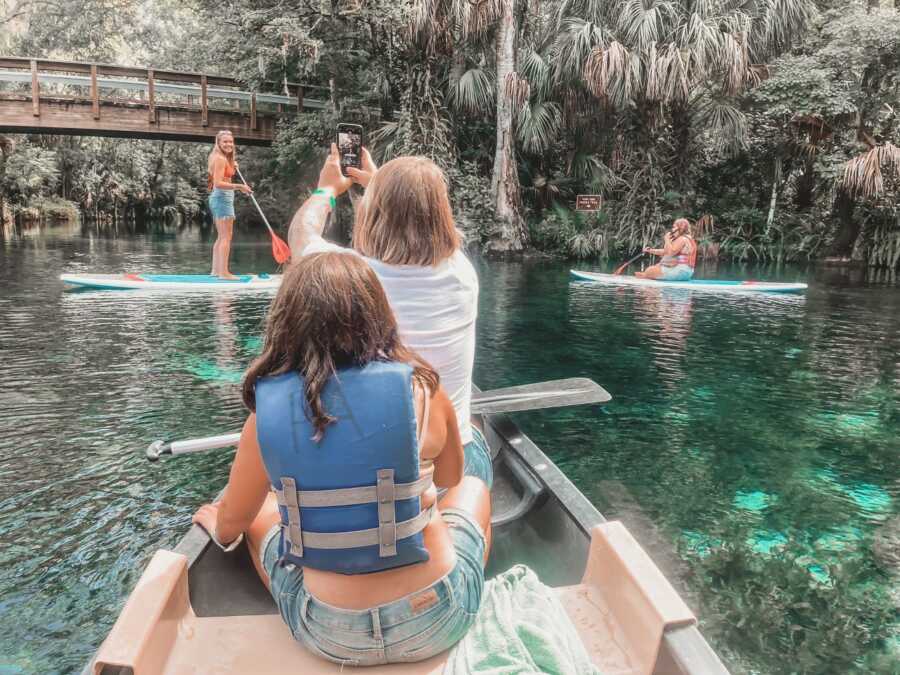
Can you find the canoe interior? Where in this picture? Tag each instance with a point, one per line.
(539, 519)
(525, 540)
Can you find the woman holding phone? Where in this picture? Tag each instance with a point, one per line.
(221, 166)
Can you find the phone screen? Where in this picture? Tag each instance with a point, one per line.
(349, 144)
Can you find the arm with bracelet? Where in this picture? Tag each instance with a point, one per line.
(310, 219)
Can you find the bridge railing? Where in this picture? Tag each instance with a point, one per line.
(111, 84)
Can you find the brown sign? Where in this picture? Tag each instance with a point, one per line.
(588, 202)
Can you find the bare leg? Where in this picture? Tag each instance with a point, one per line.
(216, 255)
(226, 248)
(265, 520)
(472, 496)
(652, 272)
(222, 247)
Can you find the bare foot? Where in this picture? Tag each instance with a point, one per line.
(228, 276)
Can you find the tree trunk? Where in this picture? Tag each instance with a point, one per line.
(512, 235)
(874, 4)
(776, 179)
(806, 185)
(457, 68)
(848, 230)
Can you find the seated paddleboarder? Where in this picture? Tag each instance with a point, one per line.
(220, 170)
(352, 430)
(404, 230)
(679, 255)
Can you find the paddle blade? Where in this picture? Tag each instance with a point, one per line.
(621, 269)
(540, 396)
(280, 250)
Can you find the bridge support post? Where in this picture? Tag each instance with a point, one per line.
(299, 99)
(151, 97)
(204, 107)
(35, 90)
(253, 111)
(95, 93)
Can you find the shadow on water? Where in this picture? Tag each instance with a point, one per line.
(765, 423)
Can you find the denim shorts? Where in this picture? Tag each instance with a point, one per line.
(221, 203)
(413, 628)
(677, 273)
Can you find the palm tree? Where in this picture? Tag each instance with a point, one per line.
(512, 92)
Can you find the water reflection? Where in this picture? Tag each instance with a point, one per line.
(666, 314)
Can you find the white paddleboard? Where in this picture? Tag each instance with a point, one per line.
(173, 282)
(694, 284)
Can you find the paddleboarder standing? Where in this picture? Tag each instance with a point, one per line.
(679, 255)
(221, 167)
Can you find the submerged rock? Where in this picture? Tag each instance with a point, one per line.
(886, 546)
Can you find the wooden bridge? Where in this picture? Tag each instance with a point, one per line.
(88, 99)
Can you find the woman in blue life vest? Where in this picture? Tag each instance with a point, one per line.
(678, 256)
(334, 477)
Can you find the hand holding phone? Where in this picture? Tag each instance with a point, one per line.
(349, 142)
(364, 173)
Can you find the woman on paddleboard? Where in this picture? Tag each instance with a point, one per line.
(221, 167)
(679, 255)
(353, 431)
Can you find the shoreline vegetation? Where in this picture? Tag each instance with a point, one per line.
(773, 126)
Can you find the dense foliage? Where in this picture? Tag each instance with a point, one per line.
(773, 123)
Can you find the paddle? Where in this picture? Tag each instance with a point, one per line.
(552, 394)
(280, 250)
(621, 269)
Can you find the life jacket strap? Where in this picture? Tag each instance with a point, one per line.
(294, 531)
(387, 514)
(367, 494)
(357, 538)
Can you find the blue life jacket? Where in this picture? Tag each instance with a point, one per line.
(351, 502)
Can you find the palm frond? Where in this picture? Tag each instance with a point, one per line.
(609, 73)
(517, 90)
(573, 47)
(667, 75)
(781, 22)
(536, 69)
(474, 93)
(702, 39)
(863, 175)
(736, 60)
(644, 22)
(725, 126)
(478, 17)
(538, 126)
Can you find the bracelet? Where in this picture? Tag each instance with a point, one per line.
(227, 548)
(326, 192)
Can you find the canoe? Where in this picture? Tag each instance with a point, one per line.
(172, 282)
(180, 618)
(716, 286)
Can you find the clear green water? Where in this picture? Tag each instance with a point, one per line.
(763, 426)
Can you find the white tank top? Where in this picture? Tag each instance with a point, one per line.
(436, 308)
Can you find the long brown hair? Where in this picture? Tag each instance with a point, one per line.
(217, 152)
(405, 217)
(331, 312)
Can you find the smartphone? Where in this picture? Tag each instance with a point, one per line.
(349, 142)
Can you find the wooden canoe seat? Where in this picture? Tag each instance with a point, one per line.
(620, 609)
